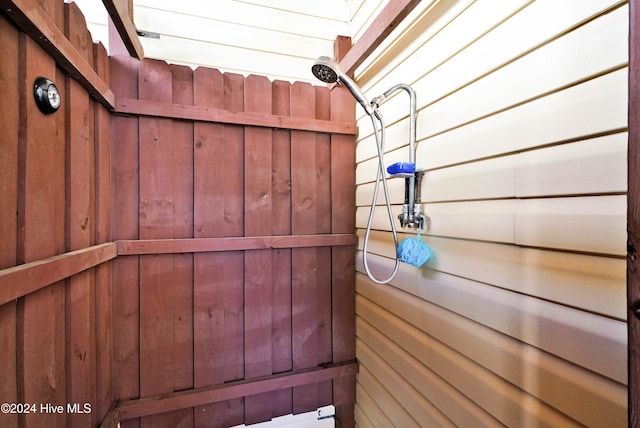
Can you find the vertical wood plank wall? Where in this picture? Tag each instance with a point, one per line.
(196, 319)
(55, 343)
(95, 310)
(519, 318)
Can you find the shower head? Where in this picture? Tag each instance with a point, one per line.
(327, 70)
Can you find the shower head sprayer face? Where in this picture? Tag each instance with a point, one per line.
(326, 69)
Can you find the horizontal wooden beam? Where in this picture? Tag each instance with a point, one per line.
(208, 114)
(21, 280)
(392, 14)
(33, 20)
(197, 397)
(199, 245)
(112, 418)
(124, 25)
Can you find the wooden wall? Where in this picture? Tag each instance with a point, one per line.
(236, 236)
(520, 316)
(55, 325)
(184, 250)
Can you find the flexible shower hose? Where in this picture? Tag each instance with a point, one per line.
(380, 177)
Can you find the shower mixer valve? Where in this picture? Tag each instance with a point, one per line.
(411, 215)
(412, 221)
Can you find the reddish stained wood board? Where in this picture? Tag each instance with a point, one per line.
(128, 106)
(257, 263)
(8, 207)
(281, 258)
(41, 225)
(343, 258)
(125, 182)
(305, 260)
(218, 212)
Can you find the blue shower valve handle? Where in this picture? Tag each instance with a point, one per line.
(402, 169)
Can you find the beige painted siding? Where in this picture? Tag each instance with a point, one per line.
(519, 317)
(276, 38)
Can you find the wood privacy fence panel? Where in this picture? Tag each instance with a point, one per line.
(234, 200)
(189, 256)
(55, 335)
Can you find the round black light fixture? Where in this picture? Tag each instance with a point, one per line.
(47, 95)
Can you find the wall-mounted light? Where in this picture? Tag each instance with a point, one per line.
(47, 95)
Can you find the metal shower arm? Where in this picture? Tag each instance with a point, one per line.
(411, 214)
(412, 113)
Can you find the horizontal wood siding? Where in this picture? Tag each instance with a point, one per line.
(519, 318)
(234, 240)
(276, 39)
(55, 206)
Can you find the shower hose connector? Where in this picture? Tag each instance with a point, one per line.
(411, 215)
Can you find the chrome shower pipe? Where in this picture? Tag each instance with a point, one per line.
(412, 113)
(411, 215)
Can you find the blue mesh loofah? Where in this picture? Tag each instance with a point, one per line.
(414, 251)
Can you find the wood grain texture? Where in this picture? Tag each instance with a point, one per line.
(258, 278)
(9, 147)
(220, 115)
(129, 247)
(75, 30)
(206, 222)
(343, 258)
(233, 282)
(80, 228)
(304, 261)
(203, 283)
(209, 205)
(125, 196)
(218, 212)
(41, 222)
(40, 24)
(179, 400)
(160, 276)
(123, 22)
(323, 225)
(281, 258)
(182, 288)
(53, 278)
(104, 271)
